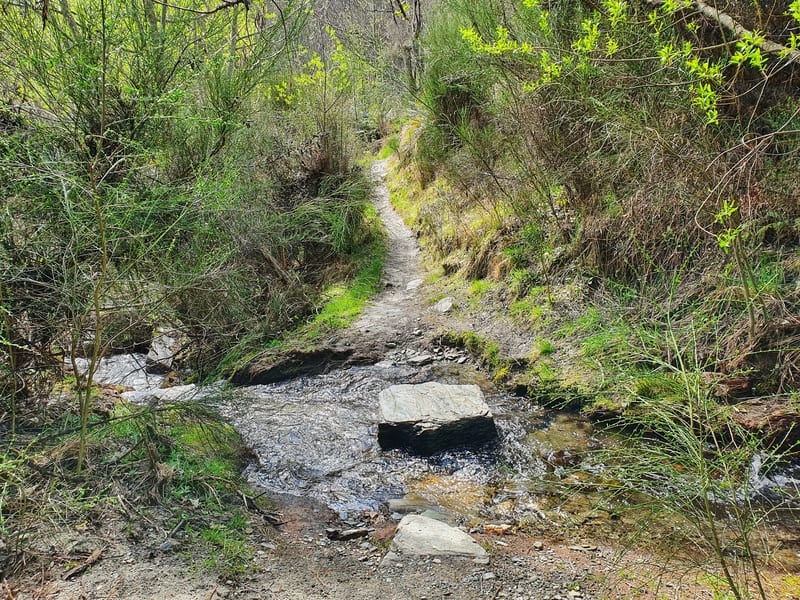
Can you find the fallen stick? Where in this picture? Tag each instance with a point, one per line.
(93, 558)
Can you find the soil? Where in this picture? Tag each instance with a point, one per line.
(295, 559)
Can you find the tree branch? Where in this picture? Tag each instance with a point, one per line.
(224, 5)
(739, 32)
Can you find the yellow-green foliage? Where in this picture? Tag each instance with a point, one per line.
(478, 289)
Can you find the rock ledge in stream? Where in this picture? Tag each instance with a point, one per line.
(420, 536)
(281, 366)
(429, 417)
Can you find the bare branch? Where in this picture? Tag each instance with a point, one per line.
(224, 5)
(739, 32)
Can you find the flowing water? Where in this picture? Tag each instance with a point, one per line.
(316, 437)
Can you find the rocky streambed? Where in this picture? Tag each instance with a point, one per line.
(318, 436)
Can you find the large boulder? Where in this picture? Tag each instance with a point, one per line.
(422, 536)
(429, 417)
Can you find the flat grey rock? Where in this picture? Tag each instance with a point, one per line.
(445, 305)
(420, 536)
(430, 417)
(420, 360)
(177, 393)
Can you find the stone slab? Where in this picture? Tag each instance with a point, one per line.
(422, 536)
(429, 417)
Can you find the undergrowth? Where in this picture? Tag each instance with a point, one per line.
(167, 477)
(344, 302)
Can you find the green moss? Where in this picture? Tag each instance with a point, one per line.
(544, 347)
(545, 371)
(487, 351)
(478, 288)
(604, 403)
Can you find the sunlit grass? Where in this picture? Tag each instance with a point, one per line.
(347, 300)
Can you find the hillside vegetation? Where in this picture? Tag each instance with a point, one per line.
(164, 167)
(616, 181)
(175, 166)
(624, 176)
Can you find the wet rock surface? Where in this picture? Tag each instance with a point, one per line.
(283, 366)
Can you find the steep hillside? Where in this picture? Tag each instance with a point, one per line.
(621, 180)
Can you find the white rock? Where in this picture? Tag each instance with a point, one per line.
(445, 305)
(163, 349)
(420, 536)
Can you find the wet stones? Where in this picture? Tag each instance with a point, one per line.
(428, 417)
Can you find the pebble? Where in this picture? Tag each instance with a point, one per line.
(488, 576)
(169, 546)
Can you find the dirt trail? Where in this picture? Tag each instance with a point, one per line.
(297, 560)
(395, 311)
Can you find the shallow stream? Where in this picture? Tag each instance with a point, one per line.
(316, 437)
